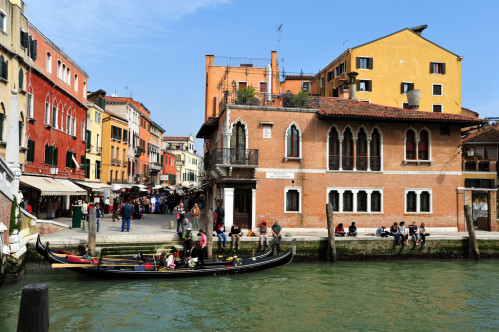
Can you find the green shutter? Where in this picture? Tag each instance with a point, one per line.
(370, 63)
(369, 86)
(357, 62)
(34, 47)
(24, 39)
(432, 68)
(55, 156)
(21, 79)
(443, 68)
(31, 151)
(5, 70)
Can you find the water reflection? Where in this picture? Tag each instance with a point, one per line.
(424, 295)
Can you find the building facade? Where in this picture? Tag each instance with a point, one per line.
(188, 162)
(93, 143)
(154, 151)
(114, 148)
(169, 170)
(374, 164)
(393, 64)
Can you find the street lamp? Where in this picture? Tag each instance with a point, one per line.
(471, 152)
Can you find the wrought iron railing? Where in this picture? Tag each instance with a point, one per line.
(347, 163)
(334, 162)
(243, 157)
(361, 163)
(375, 163)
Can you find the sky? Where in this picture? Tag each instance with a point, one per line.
(155, 50)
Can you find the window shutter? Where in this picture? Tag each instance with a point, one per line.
(402, 87)
(1, 66)
(46, 154)
(5, 70)
(443, 68)
(31, 151)
(55, 158)
(357, 60)
(432, 67)
(103, 103)
(412, 86)
(369, 86)
(21, 79)
(34, 47)
(370, 63)
(358, 85)
(24, 39)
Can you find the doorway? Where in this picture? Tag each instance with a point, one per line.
(242, 207)
(480, 210)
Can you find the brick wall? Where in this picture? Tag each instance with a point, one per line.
(5, 206)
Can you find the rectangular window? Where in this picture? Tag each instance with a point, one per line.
(292, 199)
(54, 117)
(97, 169)
(263, 87)
(366, 200)
(68, 124)
(364, 85)
(375, 201)
(47, 113)
(242, 85)
(437, 89)
(125, 136)
(405, 105)
(48, 64)
(437, 108)
(321, 82)
(348, 201)
(361, 201)
(418, 201)
(305, 86)
(437, 68)
(3, 21)
(364, 63)
(29, 105)
(406, 86)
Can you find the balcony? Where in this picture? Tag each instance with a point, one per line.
(155, 167)
(98, 150)
(114, 161)
(222, 161)
(470, 165)
(138, 151)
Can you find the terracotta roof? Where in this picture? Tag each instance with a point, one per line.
(118, 100)
(299, 77)
(490, 134)
(354, 109)
(175, 138)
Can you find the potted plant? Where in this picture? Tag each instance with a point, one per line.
(246, 95)
(301, 99)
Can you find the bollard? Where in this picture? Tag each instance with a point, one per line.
(172, 224)
(34, 309)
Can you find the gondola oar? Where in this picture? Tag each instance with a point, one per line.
(62, 265)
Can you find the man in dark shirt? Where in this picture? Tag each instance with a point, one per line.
(235, 234)
(126, 215)
(276, 234)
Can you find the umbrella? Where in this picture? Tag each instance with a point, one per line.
(116, 188)
(157, 186)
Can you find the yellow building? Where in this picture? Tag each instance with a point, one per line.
(93, 142)
(17, 52)
(114, 148)
(391, 65)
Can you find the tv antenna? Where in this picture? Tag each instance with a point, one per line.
(279, 29)
(346, 41)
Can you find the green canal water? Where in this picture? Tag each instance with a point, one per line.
(399, 295)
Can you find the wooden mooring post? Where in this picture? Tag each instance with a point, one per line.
(330, 233)
(92, 230)
(34, 309)
(472, 243)
(209, 232)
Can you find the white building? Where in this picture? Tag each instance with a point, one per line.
(188, 162)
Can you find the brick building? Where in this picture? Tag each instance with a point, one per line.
(375, 164)
(169, 168)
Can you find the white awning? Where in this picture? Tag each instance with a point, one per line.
(123, 185)
(95, 186)
(142, 187)
(52, 187)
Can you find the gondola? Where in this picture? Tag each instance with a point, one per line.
(139, 270)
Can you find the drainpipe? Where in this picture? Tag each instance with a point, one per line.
(353, 84)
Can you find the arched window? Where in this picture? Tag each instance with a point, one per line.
(334, 149)
(293, 142)
(238, 143)
(347, 161)
(21, 127)
(59, 68)
(410, 145)
(21, 79)
(84, 89)
(375, 158)
(423, 153)
(49, 62)
(361, 150)
(68, 76)
(76, 82)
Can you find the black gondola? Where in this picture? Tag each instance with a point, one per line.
(109, 268)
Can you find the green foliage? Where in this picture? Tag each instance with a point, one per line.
(15, 222)
(246, 95)
(301, 99)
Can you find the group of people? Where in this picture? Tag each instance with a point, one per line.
(399, 231)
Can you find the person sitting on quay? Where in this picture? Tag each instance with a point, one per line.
(413, 232)
(187, 237)
(394, 231)
(222, 239)
(339, 230)
(380, 232)
(352, 230)
(235, 234)
(276, 234)
(126, 215)
(263, 235)
(423, 234)
(403, 233)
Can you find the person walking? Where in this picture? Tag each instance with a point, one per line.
(84, 210)
(106, 207)
(276, 233)
(126, 215)
(196, 214)
(116, 210)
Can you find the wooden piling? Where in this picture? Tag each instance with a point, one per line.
(92, 231)
(330, 232)
(472, 243)
(34, 309)
(209, 232)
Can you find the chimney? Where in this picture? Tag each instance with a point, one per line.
(210, 59)
(353, 84)
(413, 98)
